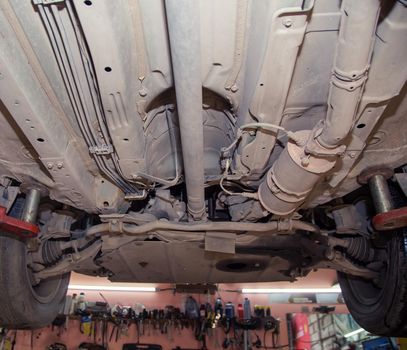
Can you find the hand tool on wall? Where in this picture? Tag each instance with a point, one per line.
(105, 329)
(13, 343)
(85, 325)
(131, 346)
(115, 331)
(90, 346)
(228, 319)
(57, 346)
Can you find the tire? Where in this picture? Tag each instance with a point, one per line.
(23, 306)
(381, 311)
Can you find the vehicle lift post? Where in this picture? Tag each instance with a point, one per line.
(387, 217)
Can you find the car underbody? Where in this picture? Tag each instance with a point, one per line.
(203, 142)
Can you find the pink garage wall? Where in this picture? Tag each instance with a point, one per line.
(72, 337)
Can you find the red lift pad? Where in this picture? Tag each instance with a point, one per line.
(18, 227)
(390, 220)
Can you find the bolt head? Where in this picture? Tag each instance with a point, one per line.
(305, 161)
(234, 88)
(287, 22)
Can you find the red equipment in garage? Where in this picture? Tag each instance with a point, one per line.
(300, 327)
(16, 226)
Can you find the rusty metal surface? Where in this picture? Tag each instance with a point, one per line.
(390, 220)
(92, 110)
(366, 174)
(17, 227)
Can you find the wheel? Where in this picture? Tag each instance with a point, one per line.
(23, 306)
(381, 310)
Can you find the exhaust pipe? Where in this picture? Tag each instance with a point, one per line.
(350, 72)
(184, 35)
(304, 162)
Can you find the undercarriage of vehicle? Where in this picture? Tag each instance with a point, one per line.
(162, 141)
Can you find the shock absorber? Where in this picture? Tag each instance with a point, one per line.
(32, 202)
(387, 217)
